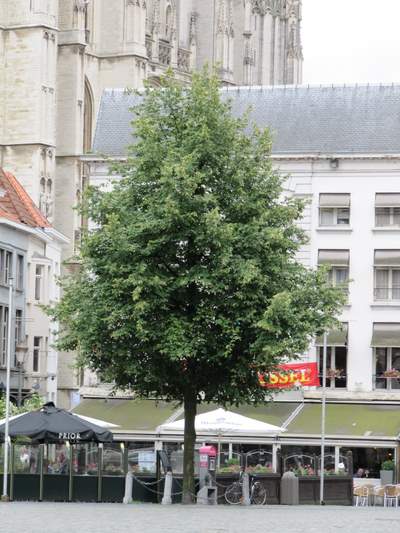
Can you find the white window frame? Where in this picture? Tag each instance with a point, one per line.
(4, 317)
(391, 217)
(389, 287)
(39, 282)
(335, 216)
(36, 353)
(332, 384)
(2, 266)
(8, 266)
(389, 366)
(20, 272)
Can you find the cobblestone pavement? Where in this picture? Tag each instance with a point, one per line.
(148, 518)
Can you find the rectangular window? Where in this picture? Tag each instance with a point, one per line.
(18, 332)
(8, 267)
(38, 282)
(3, 334)
(338, 261)
(387, 368)
(387, 275)
(20, 272)
(2, 265)
(336, 361)
(336, 366)
(37, 344)
(334, 209)
(387, 210)
(18, 326)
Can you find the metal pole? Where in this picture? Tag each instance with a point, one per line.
(8, 365)
(323, 409)
(19, 397)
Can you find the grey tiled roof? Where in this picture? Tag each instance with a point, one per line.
(303, 120)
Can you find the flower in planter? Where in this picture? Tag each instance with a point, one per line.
(392, 373)
(332, 373)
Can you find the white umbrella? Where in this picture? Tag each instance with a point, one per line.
(221, 421)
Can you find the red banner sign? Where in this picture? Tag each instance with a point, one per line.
(293, 375)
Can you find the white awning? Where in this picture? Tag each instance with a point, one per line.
(386, 335)
(334, 200)
(387, 258)
(334, 257)
(387, 199)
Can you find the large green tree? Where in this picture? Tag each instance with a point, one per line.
(189, 283)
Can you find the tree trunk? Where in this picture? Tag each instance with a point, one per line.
(190, 409)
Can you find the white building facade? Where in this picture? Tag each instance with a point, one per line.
(351, 220)
(340, 148)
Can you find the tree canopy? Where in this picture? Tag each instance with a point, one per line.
(189, 283)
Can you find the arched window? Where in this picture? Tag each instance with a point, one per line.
(87, 119)
(43, 186)
(49, 186)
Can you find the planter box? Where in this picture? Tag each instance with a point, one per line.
(386, 477)
(338, 490)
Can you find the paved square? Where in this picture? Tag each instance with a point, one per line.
(147, 518)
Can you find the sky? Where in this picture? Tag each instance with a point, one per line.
(351, 41)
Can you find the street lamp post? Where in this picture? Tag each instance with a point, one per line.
(20, 354)
(323, 411)
(8, 366)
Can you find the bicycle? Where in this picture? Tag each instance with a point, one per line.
(234, 492)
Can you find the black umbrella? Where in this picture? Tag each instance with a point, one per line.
(50, 424)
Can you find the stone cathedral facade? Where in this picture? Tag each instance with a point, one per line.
(57, 56)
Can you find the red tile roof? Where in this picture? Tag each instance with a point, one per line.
(16, 204)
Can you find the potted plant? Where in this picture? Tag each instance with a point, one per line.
(387, 469)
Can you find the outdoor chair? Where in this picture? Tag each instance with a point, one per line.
(390, 498)
(361, 495)
(379, 493)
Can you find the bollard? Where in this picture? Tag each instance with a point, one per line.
(246, 489)
(128, 488)
(167, 500)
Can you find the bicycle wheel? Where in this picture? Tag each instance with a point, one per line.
(258, 494)
(233, 493)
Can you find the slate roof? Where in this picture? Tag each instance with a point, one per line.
(16, 204)
(303, 120)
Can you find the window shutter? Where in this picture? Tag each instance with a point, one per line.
(387, 258)
(386, 335)
(334, 257)
(336, 337)
(387, 199)
(334, 200)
